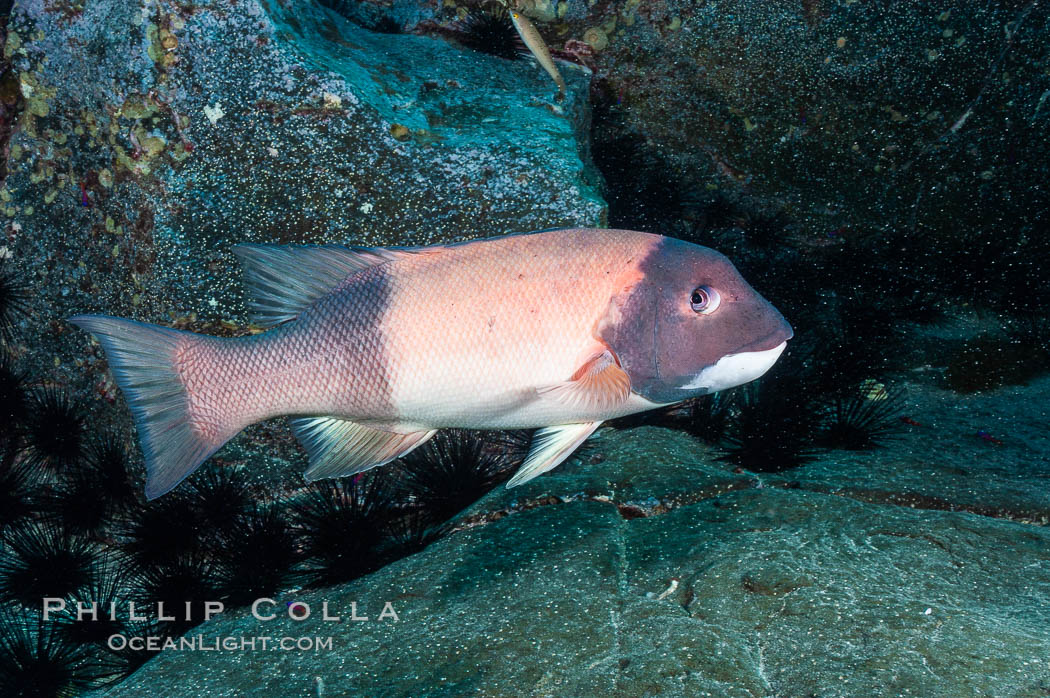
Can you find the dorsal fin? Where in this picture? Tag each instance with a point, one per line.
(282, 280)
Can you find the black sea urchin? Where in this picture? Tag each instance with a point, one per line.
(774, 427)
(705, 417)
(861, 422)
(12, 399)
(43, 560)
(54, 435)
(123, 659)
(452, 471)
(14, 298)
(710, 211)
(221, 496)
(490, 32)
(108, 464)
(74, 505)
(410, 533)
(87, 497)
(255, 556)
(187, 522)
(155, 532)
(176, 589)
(98, 610)
(17, 486)
(38, 660)
(341, 525)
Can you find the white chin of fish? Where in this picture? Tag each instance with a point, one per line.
(735, 369)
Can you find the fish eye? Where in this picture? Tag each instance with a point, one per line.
(704, 300)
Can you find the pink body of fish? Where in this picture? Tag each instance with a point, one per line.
(373, 350)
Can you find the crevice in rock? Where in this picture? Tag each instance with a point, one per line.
(630, 510)
(917, 500)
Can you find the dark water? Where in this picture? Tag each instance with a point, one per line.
(866, 518)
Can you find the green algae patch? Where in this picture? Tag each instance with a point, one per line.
(138, 107)
(162, 44)
(38, 96)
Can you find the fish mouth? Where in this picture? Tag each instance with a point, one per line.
(768, 342)
(736, 369)
(773, 341)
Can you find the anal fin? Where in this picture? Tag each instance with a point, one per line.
(340, 447)
(550, 447)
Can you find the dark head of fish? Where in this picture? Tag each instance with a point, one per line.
(691, 325)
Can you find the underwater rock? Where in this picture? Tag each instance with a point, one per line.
(852, 116)
(983, 454)
(754, 593)
(855, 116)
(156, 135)
(647, 568)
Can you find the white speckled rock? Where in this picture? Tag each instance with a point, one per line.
(193, 130)
(759, 591)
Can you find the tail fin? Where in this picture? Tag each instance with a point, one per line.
(142, 358)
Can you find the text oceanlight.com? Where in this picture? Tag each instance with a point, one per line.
(229, 643)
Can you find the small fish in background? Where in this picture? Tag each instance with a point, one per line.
(985, 436)
(534, 42)
(373, 350)
(910, 422)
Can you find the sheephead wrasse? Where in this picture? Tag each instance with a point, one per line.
(371, 350)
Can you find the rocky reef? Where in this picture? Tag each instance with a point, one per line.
(872, 167)
(845, 116)
(150, 137)
(649, 569)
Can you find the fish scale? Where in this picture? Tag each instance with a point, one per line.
(327, 362)
(455, 369)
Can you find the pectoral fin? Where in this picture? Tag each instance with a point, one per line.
(339, 447)
(598, 384)
(551, 446)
